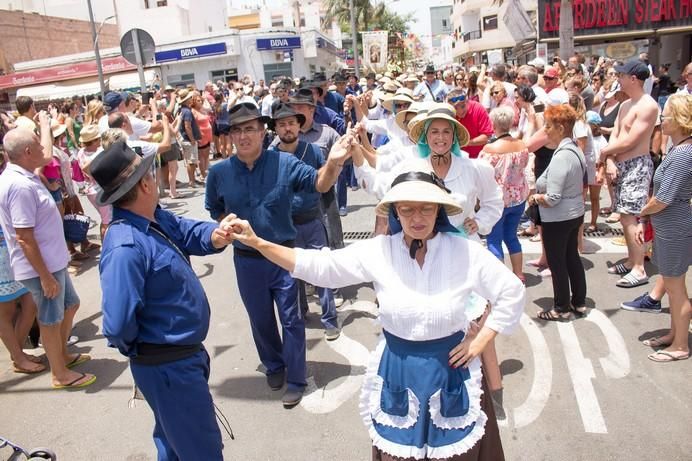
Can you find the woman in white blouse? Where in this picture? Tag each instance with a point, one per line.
(424, 396)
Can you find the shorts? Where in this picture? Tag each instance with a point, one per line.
(190, 153)
(633, 183)
(203, 146)
(52, 311)
(56, 194)
(223, 130)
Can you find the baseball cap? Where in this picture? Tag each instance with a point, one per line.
(557, 97)
(538, 62)
(634, 67)
(551, 72)
(112, 100)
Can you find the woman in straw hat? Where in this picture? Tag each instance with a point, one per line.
(90, 140)
(423, 396)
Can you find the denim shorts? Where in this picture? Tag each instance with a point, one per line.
(52, 311)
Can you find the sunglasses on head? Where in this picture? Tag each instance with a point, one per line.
(456, 99)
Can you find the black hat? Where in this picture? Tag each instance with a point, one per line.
(302, 96)
(339, 78)
(283, 110)
(116, 170)
(429, 68)
(634, 67)
(317, 84)
(246, 112)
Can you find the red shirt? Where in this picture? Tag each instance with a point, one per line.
(477, 122)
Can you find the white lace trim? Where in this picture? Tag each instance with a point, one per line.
(386, 419)
(409, 451)
(474, 391)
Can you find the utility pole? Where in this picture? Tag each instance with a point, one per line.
(96, 51)
(354, 36)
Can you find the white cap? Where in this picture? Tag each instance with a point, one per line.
(538, 62)
(558, 96)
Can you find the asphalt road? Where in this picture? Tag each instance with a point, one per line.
(574, 391)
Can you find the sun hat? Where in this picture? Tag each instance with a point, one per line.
(245, 112)
(89, 133)
(363, 82)
(411, 78)
(400, 116)
(117, 170)
(387, 90)
(283, 110)
(418, 184)
(557, 96)
(441, 111)
(168, 88)
(402, 95)
(593, 118)
(614, 89)
(185, 95)
(56, 128)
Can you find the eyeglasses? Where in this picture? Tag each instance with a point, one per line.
(456, 99)
(244, 131)
(425, 210)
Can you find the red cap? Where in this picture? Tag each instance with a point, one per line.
(551, 72)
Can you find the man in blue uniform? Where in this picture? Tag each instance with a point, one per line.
(259, 185)
(154, 308)
(305, 210)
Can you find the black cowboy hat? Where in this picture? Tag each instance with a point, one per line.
(339, 78)
(429, 68)
(310, 84)
(117, 170)
(246, 112)
(283, 110)
(302, 96)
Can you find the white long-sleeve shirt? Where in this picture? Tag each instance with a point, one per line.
(469, 180)
(421, 303)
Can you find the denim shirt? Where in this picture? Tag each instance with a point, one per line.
(306, 202)
(151, 294)
(262, 195)
(330, 118)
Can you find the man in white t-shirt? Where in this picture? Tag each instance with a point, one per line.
(116, 102)
(122, 121)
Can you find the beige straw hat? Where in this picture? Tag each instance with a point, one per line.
(418, 183)
(89, 133)
(402, 95)
(441, 111)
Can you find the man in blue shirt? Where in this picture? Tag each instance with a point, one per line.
(430, 89)
(154, 308)
(323, 114)
(307, 216)
(259, 186)
(353, 87)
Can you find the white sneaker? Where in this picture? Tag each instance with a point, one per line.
(338, 299)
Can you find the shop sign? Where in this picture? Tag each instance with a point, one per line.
(593, 17)
(278, 43)
(66, 72)
(199, 51)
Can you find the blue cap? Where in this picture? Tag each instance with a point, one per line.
(634, 67)
(592, 118)
(113, 99)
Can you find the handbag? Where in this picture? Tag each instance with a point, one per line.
(75, 227)
(534, 214)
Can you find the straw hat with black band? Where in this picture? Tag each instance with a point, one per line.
(418, 186)
(442, 111)
(402, 95)
(117, 170)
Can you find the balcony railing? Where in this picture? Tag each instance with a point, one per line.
(473, 35)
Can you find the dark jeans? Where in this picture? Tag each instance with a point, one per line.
(560, 240)
(342, 185)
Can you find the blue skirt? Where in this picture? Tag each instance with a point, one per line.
(415, 405)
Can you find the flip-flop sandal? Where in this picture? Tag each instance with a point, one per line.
(630, 281)
(579, 311)
(74, 385)
(29, 371)
(655, 342)
(91, 247)
(535, 238)
(525, 233)
(79, 359)
(613, 219)
(534, 263)
(79, 256)
(553, 315)
(605, 211)
(668, 356)
(591, 229)
(618, 269)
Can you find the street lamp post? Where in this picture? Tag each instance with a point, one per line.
(97, 54)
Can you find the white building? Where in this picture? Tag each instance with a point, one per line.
(71, 9)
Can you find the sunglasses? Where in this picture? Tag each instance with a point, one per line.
(456, 99)
(548, 78)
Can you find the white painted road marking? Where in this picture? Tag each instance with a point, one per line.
(617, 363)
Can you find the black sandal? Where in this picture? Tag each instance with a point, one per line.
(553, 315)
(579, 312)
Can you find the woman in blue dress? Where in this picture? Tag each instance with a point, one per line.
(424, 396)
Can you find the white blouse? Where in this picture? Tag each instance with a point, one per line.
(421, 303)
(470, 180)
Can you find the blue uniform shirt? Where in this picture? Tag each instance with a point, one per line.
(263, 196)
(150, 292)
(335, 102)
(305, 202)
(330, 118)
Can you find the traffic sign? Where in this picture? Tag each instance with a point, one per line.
(147, 47)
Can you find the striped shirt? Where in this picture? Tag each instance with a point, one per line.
(673, 186)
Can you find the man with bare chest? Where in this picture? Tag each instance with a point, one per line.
(628, 164)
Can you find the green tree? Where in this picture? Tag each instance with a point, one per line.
(368, 17)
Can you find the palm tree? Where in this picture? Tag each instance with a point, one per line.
(366, 14)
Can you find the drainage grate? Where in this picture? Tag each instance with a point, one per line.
(357, 235)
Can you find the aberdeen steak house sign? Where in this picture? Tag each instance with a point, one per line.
(593, 17)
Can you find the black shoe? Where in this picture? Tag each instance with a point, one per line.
(292, 397)
(276, 380)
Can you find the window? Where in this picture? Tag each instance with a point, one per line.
(444, 23)
(227, 75)
(490, 22)
(180, 80)
(150, 3)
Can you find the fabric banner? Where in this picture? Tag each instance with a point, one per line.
(375, 49)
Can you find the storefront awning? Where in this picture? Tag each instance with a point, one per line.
(38, 92)
(56, 91)
(130, 80)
